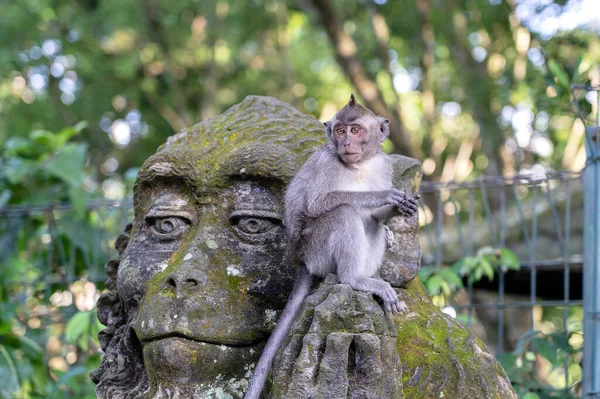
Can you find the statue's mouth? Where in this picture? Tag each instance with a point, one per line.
(231, 342)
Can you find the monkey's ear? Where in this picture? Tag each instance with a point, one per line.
(352, 100)
(327, 128)
(384, 128)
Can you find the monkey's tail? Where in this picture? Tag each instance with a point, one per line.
(289, 314)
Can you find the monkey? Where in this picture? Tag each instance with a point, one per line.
(335, 210)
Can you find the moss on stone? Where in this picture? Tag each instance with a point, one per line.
(441, 356)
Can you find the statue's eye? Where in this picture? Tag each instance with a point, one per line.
(168, 227)
(254, 225)
(354, 130)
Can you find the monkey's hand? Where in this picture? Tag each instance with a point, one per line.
(409, 205)
(394, 197)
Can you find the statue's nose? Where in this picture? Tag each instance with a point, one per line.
(184, 281)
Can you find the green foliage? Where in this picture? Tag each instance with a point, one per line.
(82, 328)
(440, 280)
(24, 369)
(44, 167)
(522, 363)
(533, 348)
(485, 263)
(110, 63)
(488, 261)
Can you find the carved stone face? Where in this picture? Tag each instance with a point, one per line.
(216, 278)
(203, 276)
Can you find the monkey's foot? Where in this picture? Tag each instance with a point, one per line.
(390, 300)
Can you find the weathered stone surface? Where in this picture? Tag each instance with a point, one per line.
(203, 273)
(441, 358)
(403, 256)
(341, 346)
(344, 345)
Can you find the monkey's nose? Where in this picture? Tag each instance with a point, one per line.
(184, 282)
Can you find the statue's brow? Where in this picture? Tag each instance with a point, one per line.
(260, 162)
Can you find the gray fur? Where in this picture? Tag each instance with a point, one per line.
(335, 210)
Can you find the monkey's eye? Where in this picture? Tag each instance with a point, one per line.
(167, 228)
(340, 131)
(354, 130)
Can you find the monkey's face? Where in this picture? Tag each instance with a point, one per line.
(357, 139)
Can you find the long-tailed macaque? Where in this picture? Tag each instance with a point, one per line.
(335, 209)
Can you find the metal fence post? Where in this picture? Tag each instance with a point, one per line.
(591, 253)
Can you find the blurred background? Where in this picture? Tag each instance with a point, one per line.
(90, 88)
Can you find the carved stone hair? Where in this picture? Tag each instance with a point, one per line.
(121, 374)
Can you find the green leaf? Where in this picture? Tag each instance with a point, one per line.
(45, 139)
(17, 170)
(465, 265)
(84, 341)
(509, 259)
(451, 277)
(81, 233)
(33, 349)
(18, 147)
(425, 272)
(458, 267)
(487, 268)
(524, 341)
(66, 134)
(78, 198)
(67, 165)
(78, 324)
(434, 284)
(546, 349)
(576, 66)
(558, 71)
(79, 126)
(9, 374)
(445, 287)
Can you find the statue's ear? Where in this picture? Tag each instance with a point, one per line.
(384, 128)
(328, 130)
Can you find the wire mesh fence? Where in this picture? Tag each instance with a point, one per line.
(52, 267)
(51, 274)
(534, 311)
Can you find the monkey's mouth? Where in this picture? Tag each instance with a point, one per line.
(353, 156)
